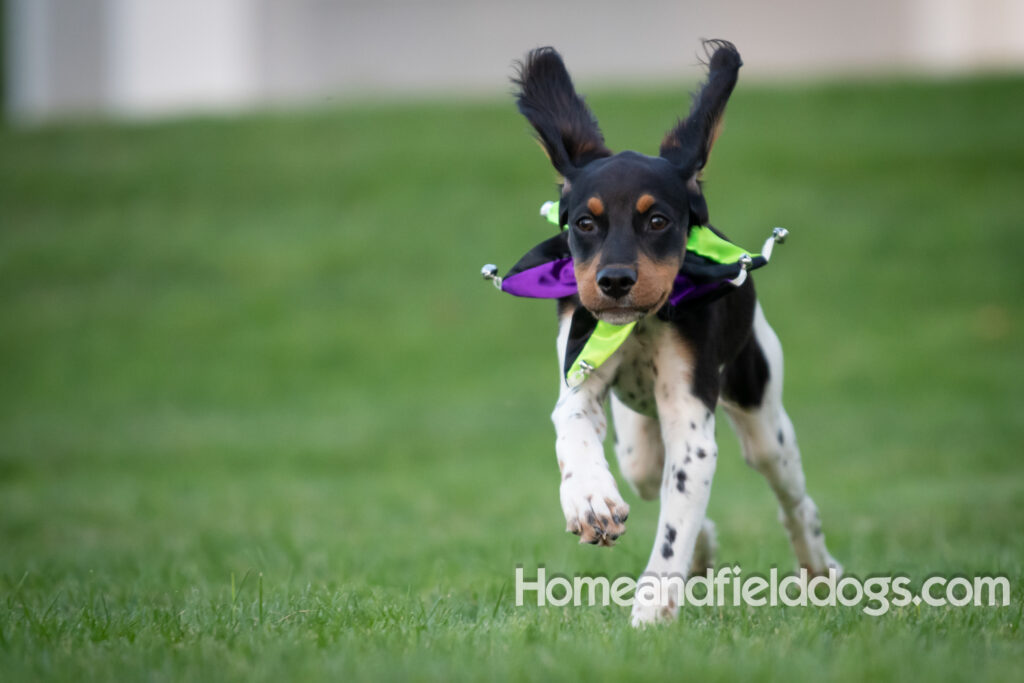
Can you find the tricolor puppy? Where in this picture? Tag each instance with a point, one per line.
(628, 219)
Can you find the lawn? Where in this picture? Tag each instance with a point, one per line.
(260, 419)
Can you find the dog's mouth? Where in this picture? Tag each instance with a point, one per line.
(623, 312)
(620, 315)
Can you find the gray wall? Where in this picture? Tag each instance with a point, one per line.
(154, 57)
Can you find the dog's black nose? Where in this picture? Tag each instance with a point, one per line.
(616, 281)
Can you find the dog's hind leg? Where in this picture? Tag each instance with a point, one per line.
(752, 399)
(704, 549)
(639, 448)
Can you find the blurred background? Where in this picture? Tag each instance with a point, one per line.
(127, 57)
(260, 418)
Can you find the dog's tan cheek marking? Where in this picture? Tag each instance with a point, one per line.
(645, 202)
(586, 283)
(654, 280)
(595, 205)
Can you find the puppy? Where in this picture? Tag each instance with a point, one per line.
(629, 219)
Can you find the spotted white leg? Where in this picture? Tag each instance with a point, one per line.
(769, 445)
(641, 455)
(590, 499)
(688, 431)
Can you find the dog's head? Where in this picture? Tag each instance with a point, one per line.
(628, 214)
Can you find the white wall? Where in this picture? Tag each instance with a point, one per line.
(145, 57)
(161, 54)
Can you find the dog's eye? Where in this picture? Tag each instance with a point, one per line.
(658, 222)
(585, 224)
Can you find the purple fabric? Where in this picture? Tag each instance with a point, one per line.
(556, 279)
(685, 288)
(552, 280)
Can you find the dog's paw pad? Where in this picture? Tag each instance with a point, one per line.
(593, 509)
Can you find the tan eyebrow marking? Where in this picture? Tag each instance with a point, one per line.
(595, 205)
(645, 202)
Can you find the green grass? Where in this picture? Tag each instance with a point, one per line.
(261, 420)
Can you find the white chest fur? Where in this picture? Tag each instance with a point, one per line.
(637, 373)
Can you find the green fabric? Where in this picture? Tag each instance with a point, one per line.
(552, 213)
(603, 342)
(709, 245)
(701, 241)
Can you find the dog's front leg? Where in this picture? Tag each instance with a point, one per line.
(688, 430)
(591, 503)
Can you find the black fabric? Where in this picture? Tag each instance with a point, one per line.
(701, 268)
(582, 326)
(547, 251)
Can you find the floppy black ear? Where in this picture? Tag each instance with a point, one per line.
(689, 143)
(565, 126)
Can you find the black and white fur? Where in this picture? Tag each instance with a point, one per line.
(628, 217)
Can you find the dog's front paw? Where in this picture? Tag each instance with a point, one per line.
(593, 508)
